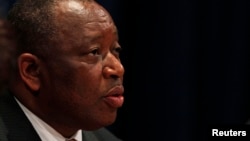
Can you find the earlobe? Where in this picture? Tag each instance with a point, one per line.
(29, 67)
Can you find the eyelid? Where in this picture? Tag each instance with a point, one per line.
(94, 50)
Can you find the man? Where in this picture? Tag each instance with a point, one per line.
(68, 79)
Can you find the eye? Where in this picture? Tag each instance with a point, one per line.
(117, 51)
(94, 52)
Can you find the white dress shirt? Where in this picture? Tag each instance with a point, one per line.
(45, 131)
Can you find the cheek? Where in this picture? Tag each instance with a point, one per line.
(79, 83)
(88, 79)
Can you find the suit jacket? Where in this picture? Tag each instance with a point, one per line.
(15, 126)
(2, 131)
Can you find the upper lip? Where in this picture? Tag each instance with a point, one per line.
(116, 91)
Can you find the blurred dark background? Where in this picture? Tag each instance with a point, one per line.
(187, 67)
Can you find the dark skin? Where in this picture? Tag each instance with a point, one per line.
(71, 89)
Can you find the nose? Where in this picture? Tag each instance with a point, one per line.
(112, 67)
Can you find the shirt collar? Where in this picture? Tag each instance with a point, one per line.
(45, 131)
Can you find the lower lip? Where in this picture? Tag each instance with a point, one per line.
(114, 101)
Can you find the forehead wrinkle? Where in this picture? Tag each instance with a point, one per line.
(96, 34)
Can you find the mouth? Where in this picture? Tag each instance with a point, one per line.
(114, 97)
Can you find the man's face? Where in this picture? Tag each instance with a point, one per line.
(82, 82)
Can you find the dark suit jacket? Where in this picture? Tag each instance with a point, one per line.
(15, 126)
(2, 131)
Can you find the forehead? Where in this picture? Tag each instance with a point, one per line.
(88, 12)
(76, 19)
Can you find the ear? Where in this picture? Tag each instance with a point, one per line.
(29, 67)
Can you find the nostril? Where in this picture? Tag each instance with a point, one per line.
(114, 76)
